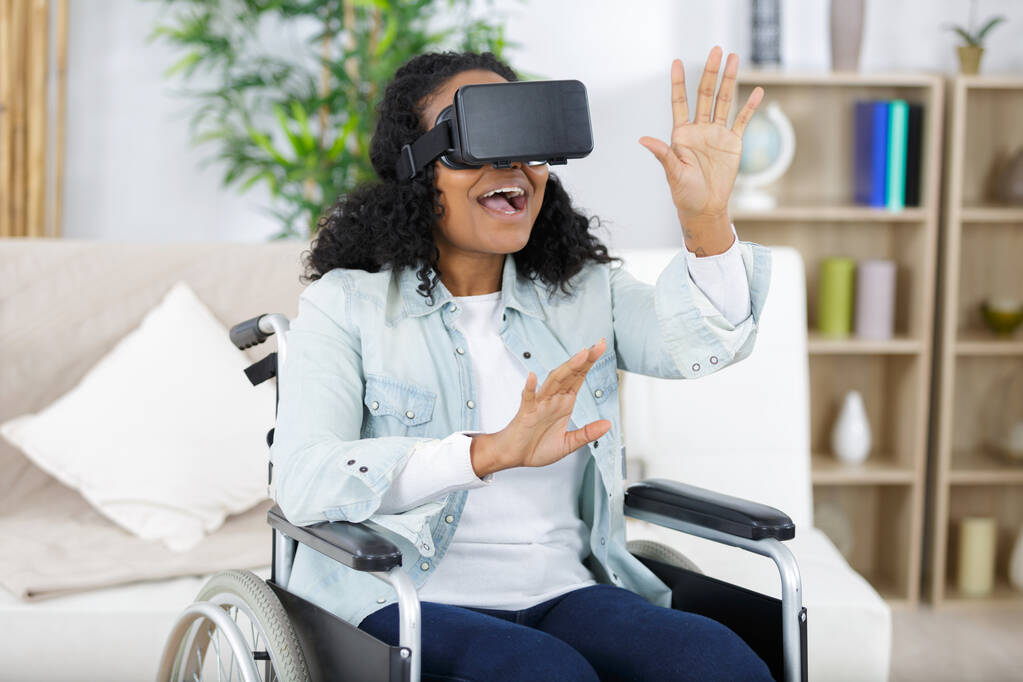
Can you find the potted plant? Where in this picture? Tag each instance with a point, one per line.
(973, 50)
(300, 122)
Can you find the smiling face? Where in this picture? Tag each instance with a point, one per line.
(481, 222)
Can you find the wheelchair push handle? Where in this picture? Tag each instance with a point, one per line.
(250, 333)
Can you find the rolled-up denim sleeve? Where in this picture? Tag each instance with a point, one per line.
(322, 470)
(672, 330)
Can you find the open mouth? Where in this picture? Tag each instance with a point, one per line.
(504, 201)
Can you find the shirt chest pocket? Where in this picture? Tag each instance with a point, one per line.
(396, 408)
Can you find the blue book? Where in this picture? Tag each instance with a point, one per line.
(870, 153)
(898, 124)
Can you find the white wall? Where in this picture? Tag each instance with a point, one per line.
(132, 175)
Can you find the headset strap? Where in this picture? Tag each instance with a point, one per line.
(416, 156)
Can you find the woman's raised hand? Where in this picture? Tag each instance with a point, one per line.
(536, 436)
(703, 159)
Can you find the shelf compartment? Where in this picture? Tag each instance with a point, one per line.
(878, 546)
(818, 344)
(1004, 595)
(1005, 503)
(979, 467)
(895, 405)
(989, 266)
(807, 100)
(976, 378)
(876, 470)
(992, 131)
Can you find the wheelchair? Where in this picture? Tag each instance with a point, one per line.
(241, 621)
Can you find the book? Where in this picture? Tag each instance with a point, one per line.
(914, 153)
(895, 185)
(870, 153)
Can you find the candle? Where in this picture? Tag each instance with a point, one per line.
(977, 536)
(835, 296)
(875, 299)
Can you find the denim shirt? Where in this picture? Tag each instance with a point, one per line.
(373, 369)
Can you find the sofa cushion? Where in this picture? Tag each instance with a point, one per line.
(164, 435)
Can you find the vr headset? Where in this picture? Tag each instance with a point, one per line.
(497, 123)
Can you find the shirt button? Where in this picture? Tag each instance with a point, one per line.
(470, 404)
(598, 393)
(363, 469)
(376, 405)
(713, 359)
(381, 600)
(426, 547)
(460, 350)
(615, 576)
(351, 462)
(449, 518)
(602, 541)
(527, 355)
(410, 414)
(425, 566)
(696, 367)
(452, 307)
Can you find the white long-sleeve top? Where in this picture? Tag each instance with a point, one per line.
(494, 562)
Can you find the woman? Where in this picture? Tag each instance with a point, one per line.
(412, 396)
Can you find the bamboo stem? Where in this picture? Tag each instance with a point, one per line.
(36, 52)
(6, 111)
(58, 160)
(18, 75)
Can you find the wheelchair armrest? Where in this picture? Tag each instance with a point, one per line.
(709, 509)
(352, 544)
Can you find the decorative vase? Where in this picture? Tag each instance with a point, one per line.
(1009, 183)
(969, 59)
(850, 437)
(846, 34)
(1016, 562)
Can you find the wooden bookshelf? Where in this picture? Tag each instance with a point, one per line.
(982, 244)
(882, 499)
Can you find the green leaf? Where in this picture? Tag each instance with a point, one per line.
(282, 120)
(263, 142)
(189, 60)
(964, 35)
(987, 27)
(299, 114)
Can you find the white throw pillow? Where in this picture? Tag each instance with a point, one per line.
(165, 435)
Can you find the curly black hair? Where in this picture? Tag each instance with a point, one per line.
(390, 222)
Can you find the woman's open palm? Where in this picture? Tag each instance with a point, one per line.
(537, 434)
(702, 161)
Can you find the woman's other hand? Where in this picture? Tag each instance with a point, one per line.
(536, 436)
(703, 159)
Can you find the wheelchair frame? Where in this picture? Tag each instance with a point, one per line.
(337, 650)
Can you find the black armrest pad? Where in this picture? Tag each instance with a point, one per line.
(352, 544)
(706, 508)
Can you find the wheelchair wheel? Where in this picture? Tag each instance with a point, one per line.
(254, 642)
(650, 549)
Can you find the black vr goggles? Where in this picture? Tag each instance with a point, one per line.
(532, 121)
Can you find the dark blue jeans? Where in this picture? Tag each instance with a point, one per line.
(600, 632)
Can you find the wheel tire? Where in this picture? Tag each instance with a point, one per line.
(651, 549)
(248, 588)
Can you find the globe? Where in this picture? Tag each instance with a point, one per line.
(761, 145)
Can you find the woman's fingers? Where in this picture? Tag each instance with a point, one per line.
(708, 82)
(679, 103)
(663, 154)
(587, 434)
(569, 376)
(529, 392)
(727, 90)
(746, 113)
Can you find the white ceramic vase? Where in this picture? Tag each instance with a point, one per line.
(1016, 563)
(850, 437)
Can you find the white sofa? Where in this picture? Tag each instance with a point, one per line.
(64, 303)
(745, 431)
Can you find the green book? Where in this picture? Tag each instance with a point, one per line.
(898, 127)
